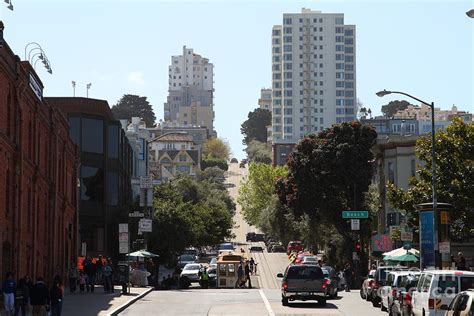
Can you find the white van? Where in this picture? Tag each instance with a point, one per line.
(437, 288)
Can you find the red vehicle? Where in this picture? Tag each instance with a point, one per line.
(294, 246)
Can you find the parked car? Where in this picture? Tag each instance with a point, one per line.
(249, 236)
(278, 248)
(191, 271)
(389, 292)
(259, 237)
(309, 260)
(366, 288)
(294, 245)
(462, 304)
(212, 276)
(331, 287)
(402, 305)
(256, 249)
(380, 280)
(303, 282)
(185, 259)
(437, 288)
(234, 160)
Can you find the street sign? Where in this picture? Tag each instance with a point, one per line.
(123, 228)
(406, 233)
(123, 248)
(136, 214)
(355, 214)
(123, 237)
(146, 182)
(444, 247)
(145, 225)
(355, 224)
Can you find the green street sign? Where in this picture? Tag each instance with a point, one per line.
(355, 214)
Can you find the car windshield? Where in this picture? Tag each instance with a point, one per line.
(187, 258)
(226, 246)
(305, 272)
(213, 260)
(212, 271)
(192, 267)
(307, 259)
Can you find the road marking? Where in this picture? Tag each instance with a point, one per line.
(267, 303)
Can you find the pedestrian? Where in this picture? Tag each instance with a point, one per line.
(461, 263)
(247, 274)
(56, 295)
(240, 275)
(90, 270)
(348, 272)
(252, 264)
(8, 289)
(82, 282)
(39, 298)
(21, 298)
(204, 278)
(107, 276)
(320, 263)
(72, 277)
(99, 266)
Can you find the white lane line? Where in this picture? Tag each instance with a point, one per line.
(267, 303)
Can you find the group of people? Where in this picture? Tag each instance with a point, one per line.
(100, 271)
(244, 270)
(32, 299)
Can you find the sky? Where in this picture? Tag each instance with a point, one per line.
(425, 48)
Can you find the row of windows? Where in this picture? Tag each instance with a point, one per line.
(341, 111)
(289, 21)
(287, 129)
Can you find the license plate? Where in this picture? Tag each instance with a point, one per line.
(304, 293)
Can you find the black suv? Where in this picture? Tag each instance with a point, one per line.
(303, 282)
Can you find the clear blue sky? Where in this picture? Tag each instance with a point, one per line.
(424, 48)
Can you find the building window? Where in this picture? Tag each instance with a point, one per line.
(75, 129)
(93, 135)
(339, 21)
(112, 188)
(182, 158)
(349, 32)
(113, 142)
(92, 184)
(287, 30)
(287, 21)
(391, 172)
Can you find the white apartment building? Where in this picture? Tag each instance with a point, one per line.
(190, 91)
(265, 101)
(313, 74)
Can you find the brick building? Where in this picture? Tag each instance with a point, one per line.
(38, 175)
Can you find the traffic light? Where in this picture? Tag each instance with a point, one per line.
(358, 246)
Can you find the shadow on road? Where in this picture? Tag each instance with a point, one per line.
(312, 305)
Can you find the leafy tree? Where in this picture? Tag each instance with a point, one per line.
(216, 148)
(213, 174)
(131, 105)
(329, 173)
(259, 152)
(212, 162)
(255, 127)
(392, 107)
(454, 178)
(258, 189)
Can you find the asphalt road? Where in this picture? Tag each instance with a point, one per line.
(263, 299)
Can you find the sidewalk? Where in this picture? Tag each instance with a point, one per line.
(100, 303)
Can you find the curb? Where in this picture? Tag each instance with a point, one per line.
(128, 303)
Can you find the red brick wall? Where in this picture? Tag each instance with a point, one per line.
(40, 162)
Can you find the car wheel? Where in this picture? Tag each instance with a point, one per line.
(362, 294)
(382, 307)
(284, 301)
(374, 302)
(335, 295)
(322, 302)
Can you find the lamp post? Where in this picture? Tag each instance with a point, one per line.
(88, 86)
(470, 13)
(433, 167)
(41, 55)
(73, 88)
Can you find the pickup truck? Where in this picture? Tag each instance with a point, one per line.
(303, 282)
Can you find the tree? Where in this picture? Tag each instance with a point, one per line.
(131, 105)
(454, 178)
(259, 152)
(213, 174)
(255, 127)
(328, 173)
(258, 189)
(216, 148)
(392, 107)
(210, 163)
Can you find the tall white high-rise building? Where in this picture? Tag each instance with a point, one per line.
(313, 74)
(190, 91)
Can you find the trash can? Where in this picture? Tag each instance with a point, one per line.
(123, 276)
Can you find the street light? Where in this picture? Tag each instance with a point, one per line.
(73, 88)
(88, 86)
(470, 13)
(41, 55)
(10, 4)
(433, 160)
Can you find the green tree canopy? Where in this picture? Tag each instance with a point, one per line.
(454, 178)
(255, 127)
(259, 152)
(258, 189)
(131, 105)
(392, 107)
(216, 148)
(212, 162)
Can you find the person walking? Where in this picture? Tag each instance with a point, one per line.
(21, 298)
(247, 274)
(8, 289)
(204, 278)
(39, 297)
(82, 282)
(73, 277)
(240, 275)
(107, 276)
(99, 266)
(90, 270)
(348, 272)
(56, 295)
(252, 264)
(461, 263)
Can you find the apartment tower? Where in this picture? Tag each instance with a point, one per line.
(313, 74)
(190, 92)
